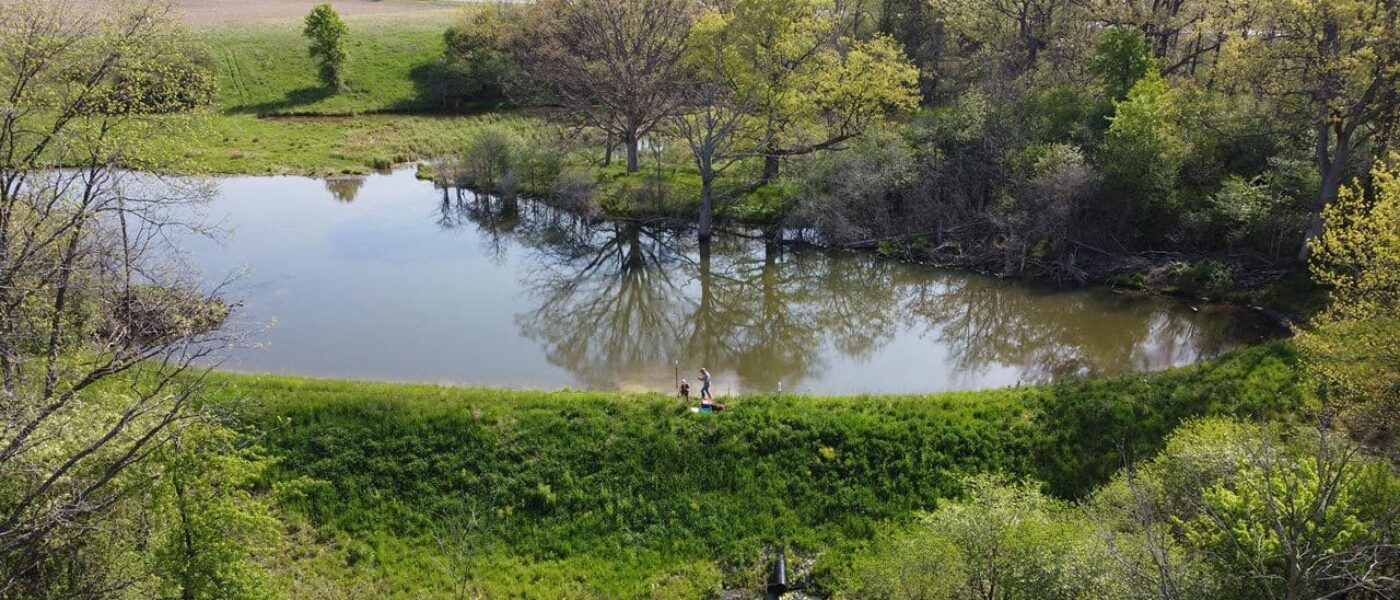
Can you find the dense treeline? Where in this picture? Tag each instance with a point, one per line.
(1042, 136)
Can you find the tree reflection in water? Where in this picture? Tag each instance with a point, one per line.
(346, 188)
(615, 303)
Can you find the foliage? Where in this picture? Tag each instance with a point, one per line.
(843, 194)
(1144, 147)
(217, 525)
(1331, 72)
(1352, 344)
(1228, 509)
(1016, 543)
(1121, 59)
(326, 33)
(476, 68)
(1243, 510)
(815, 85)
(101, 325)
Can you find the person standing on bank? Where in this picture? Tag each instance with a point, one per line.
(705, 385)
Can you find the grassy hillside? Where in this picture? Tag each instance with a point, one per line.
(591, 494)
(273, 116)
(264, 68)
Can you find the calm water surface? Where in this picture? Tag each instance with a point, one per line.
(389, 278)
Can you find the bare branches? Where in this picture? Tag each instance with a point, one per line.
(612, 63)
(104, 332)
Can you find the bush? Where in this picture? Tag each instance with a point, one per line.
(475, 68)
(326, 32)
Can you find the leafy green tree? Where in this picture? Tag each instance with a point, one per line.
(1144, 148)
(1302, 516)
(1122, 58)
(102, 329)
(1244, 510)
(1354, 345)
(918, 564)
(477, 67)
(1328, 69)
(1001, 541)
(218, 525)
(327, 32)
(815, 83)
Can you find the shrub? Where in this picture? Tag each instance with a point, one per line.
(326, 32)
(476, 67)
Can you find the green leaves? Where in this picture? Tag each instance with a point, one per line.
(327, 32)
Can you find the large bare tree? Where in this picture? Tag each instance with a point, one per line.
(612, 63)
(101, 327)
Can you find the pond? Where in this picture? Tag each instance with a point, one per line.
(390, 278)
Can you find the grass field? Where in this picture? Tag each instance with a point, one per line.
(246, 144)
(264, 68)
(409, 490)
(265, 77)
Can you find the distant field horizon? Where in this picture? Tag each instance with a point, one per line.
(216, 12)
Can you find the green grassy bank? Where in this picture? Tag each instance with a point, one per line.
(272, 116)
(406, 488)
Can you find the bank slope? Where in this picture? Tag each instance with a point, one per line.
(612, 495)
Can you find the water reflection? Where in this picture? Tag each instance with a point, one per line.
(414, 283)
(346, 188)
(618, 304)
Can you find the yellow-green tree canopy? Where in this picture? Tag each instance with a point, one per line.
(816, 83)
(1354, 346)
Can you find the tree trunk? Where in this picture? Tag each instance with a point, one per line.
(1327, 192)
(633, 163)
(706, 207)
(771, 164)
(1331, 169)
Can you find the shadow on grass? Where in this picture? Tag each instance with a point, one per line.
(287, 105)
(445, 88)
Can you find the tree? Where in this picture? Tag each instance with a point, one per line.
(814, 83)
(1122, 58)
(1308, 517)
(100, 326)
(1144, 147)
(613, 64)
(717, 121)
(476, 67)
(1233, 509)
(1002, 541)
(1007, 37)
(1353, 347)
(217, 525)
(1330, 66)
(326, 32)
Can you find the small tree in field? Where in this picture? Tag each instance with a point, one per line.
(326, 31)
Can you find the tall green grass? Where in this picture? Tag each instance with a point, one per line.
(595, 494)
